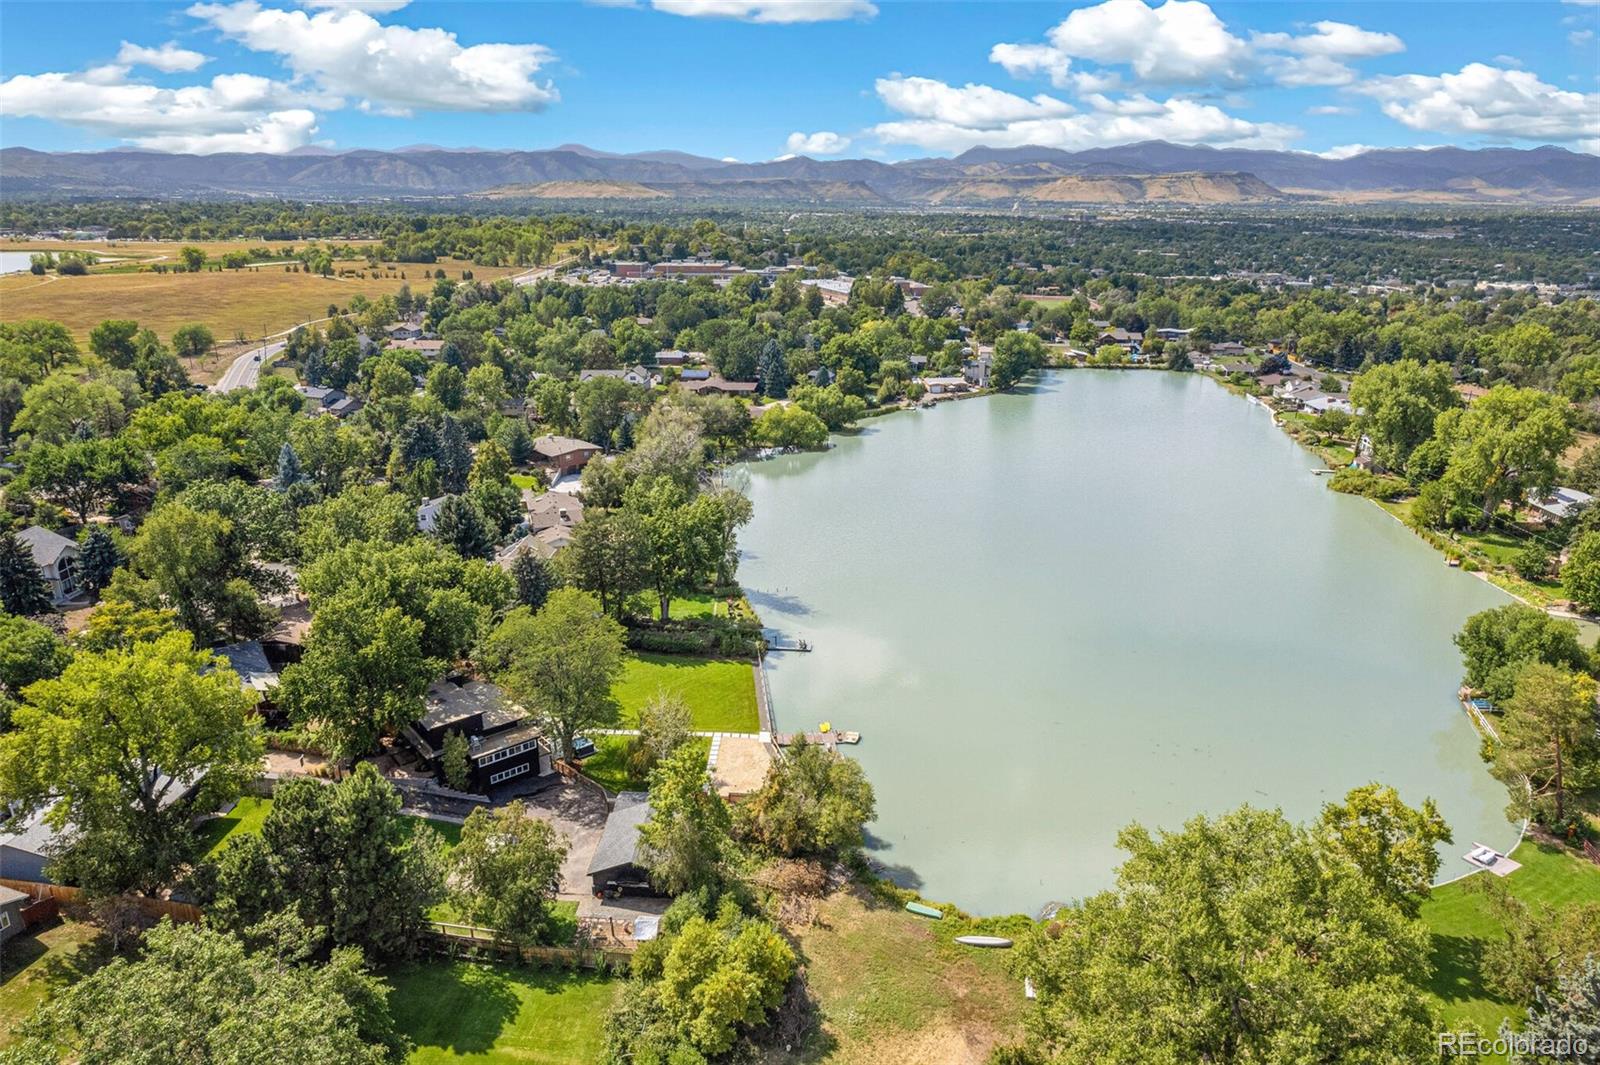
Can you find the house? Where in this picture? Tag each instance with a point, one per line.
(918, 363)
(590, 375)
(404, 331)
(1470, 393)
(25, 848)
(1560, 504)
(1323, 402)
(944, 386)
(317, 398)
(695, 375)
(550, 510)
(502, 744)
(428, 514)
(345, 406)
(976, 371)
(641, 375)
(427, 347)
(617, 868)
(672, 357)
(1119, 336)
(563, 454)
(1173, 334)
(12, 903)
(249, 660)
(544, 544)
(1228, 347)
(57, 559)
(721, 387)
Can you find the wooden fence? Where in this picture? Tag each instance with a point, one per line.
(471, 941)
(155, 908)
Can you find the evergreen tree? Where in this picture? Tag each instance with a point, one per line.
(455, 458)
(99, 558)
(772, 370)
(22, 587)
(315, 367)
(453, 761)
(461, 525)
(289, 473)
(518, 442)
(418, 441)
(533, 579)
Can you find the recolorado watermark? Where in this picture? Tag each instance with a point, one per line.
(1522, 1044)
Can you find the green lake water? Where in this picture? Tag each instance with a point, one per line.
(1106, 597)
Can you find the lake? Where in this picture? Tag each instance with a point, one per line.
(1106, 597)
(15, 262)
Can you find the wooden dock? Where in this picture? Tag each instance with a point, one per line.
(1479, 719)
(829, 739)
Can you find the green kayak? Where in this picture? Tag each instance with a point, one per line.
(924, 911)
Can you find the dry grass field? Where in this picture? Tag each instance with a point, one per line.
(253, 301)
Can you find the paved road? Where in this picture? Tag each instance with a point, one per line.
(246, 369)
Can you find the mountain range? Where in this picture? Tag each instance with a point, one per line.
(1149, 172)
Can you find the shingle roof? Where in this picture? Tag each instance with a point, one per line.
(11, 895)
(619, 843)
(47, 546)
(553, 446)
(250, 662)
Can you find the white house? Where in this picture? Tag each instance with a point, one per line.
(428, 514)
(1561, 503)
(57, 559)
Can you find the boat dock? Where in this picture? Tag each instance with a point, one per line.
(827, 739)
(1476, 709)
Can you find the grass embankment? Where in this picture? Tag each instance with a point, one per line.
(487, 1015)
(721, 694)
(1462, 926)
(892, 987)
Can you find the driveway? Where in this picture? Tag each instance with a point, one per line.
(578, 811)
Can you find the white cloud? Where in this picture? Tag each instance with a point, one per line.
(1183, 42)
(380, 6)
(1490, 101)
(1580, 37)
(390, 69)
(773, 11)
(943, 117)
(822, 142)
(1345, 151)
(235, 112)
(1330, 109)
(168, 58)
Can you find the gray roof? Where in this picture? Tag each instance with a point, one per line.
(12, 895)
(250, 662)
(554, 446)
(499, 741)
(47, 546)
(448, 703)
(552, 508)
(619, 843)
(31, 835)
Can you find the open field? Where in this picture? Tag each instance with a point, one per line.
(255, 301)
(164, 249)
(891, 988)
(721, 694)
(1462, 925)
(457, 1012)
(36, 965)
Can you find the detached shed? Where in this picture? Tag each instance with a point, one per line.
(616, 868)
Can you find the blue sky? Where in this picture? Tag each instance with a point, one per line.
(758, 79)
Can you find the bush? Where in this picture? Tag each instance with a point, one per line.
(1532, 562)
(1358, 482)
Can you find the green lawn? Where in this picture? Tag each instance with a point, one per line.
(700, 605)
(608, 766)
(721, 694)
(1462, 925)
(458, 1012)
(35, 966)
(247, 817)
(563, 911)
(524, 480)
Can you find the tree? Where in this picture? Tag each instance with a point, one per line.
(671, 447)
(110, 748)
(98, 557)
(685, 844)
(61, 407)
(772, 370)
(607, 557)
(789, 426)
(1015, 356)
(1392, 844)
(82, 474)
(700, 985)
(342, 859)
(1506, 445)
(199, 563)
(664, 725)
(195, 994)
(669, 547)
(1538, 942)
(289, 473)
(1237, 938)
(1569, 1014)
(1178, 360)
(455, 761)
(22, 586)
(715, 518)
(813, 803)
(460, 525)
(1398, 403)
(1495, 644)
(112, 340)
(193, 341)
(1547, 734)
(193, 258)
(561, 664)
(28, 652)
(508, 870)
(1581, 573)
(532, 578)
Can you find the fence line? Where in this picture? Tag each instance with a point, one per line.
(157, 908)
